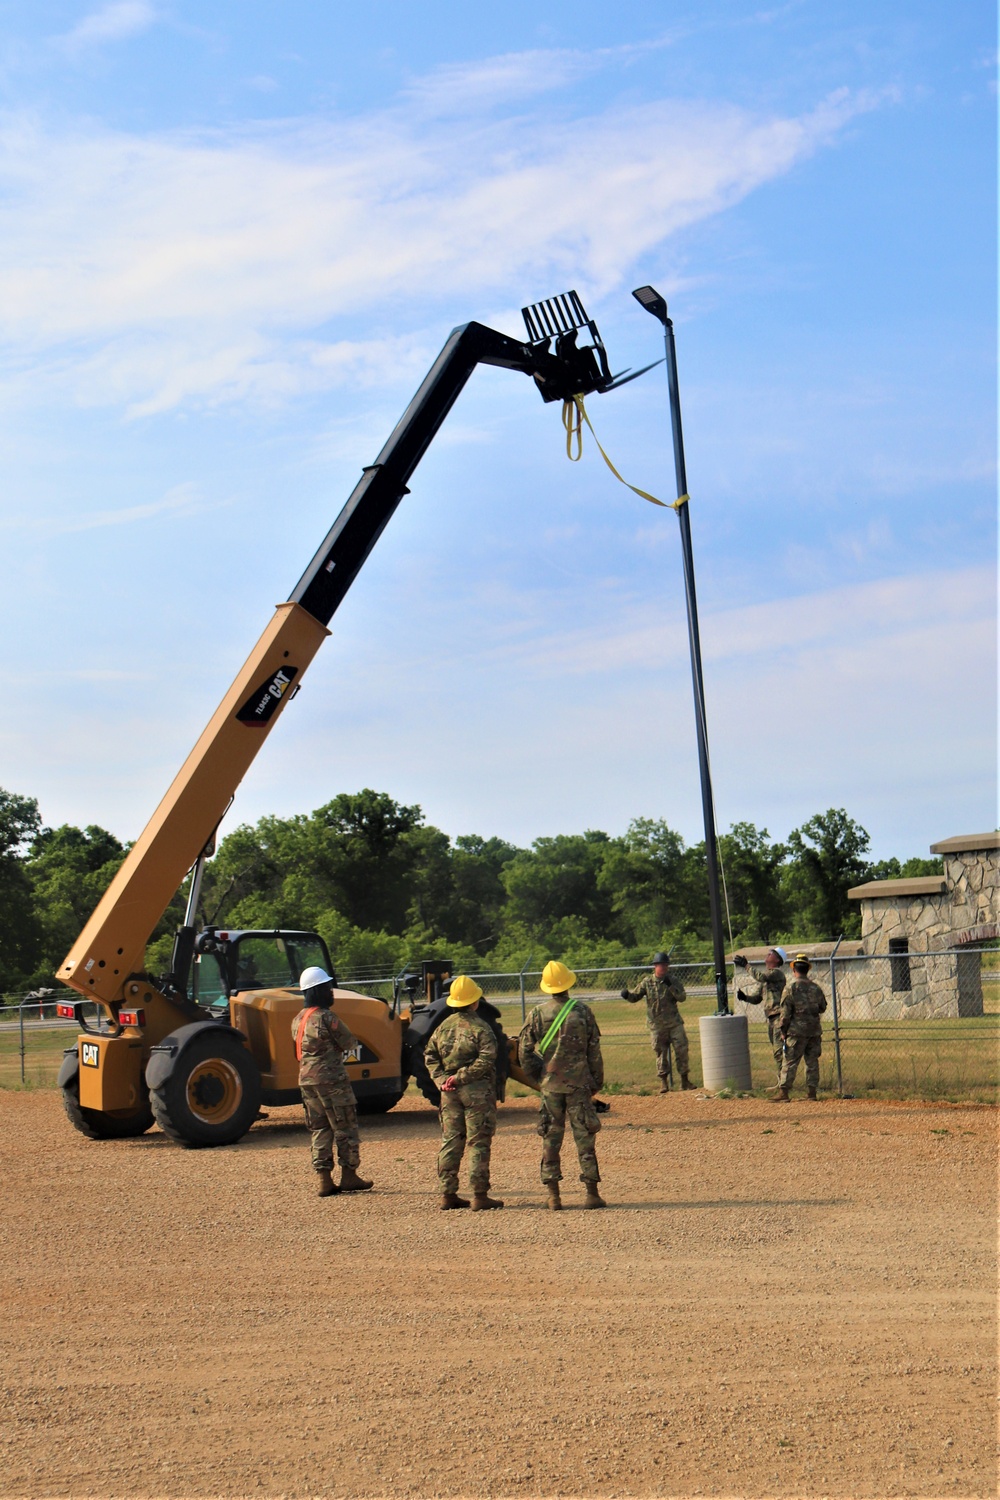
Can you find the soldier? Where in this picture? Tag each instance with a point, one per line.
(461, 1057)
(770, 982)
(801, 1029)
(663, 993)
(560, 1046)
(321, 1039)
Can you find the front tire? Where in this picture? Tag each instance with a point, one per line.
(97, 1125)
(212, 1096)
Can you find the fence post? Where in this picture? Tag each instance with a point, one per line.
(836, 1016)
(524, 970)
(20, 1017)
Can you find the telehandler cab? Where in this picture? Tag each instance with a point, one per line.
(201, 1055)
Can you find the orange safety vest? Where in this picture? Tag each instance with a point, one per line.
(311, 1011)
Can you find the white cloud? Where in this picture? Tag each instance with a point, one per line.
(155, 270)
(112, 23)
(180, 500)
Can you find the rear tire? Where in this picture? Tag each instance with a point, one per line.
(96, 1125)
(213, 1094)
(422, 1078)
(379, 1104)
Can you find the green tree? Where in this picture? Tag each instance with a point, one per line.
(752, 868)
(827, 858)
(559, 878)
(70, 869)
(20, 929)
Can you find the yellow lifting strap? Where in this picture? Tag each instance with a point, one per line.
(574, 415)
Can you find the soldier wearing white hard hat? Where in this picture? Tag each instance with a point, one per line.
(321, 1040)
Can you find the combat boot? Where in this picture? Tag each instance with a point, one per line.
(686, 1082)
(555, 1201)
(593, 1198)
(810, 1093)
(781, 1097)
(483, 1200)
(350, 1182)
(664, 1085)
(452, 1200)
(327, 1186)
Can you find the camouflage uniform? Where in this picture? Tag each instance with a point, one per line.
(770, 988)
(464, 1046)
(572, 1072)
(666, 1029)
(326, 1089)
(801, 1009)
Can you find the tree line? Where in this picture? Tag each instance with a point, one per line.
(387, 889)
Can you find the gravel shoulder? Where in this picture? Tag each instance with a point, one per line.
(781, 1301)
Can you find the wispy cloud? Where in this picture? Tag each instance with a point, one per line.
(180, 500)
(111, 23)
(158, 270)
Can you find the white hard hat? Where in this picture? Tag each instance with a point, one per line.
(781, 954)
(313, 976)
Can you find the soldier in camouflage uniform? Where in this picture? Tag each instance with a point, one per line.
(801, 1029)
(663, 993)
(321, 1039)
(570, 1070)
(461, 1057)
(770, 986)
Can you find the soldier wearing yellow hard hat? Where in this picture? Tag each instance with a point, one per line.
(461, 1057)
(560, 1046)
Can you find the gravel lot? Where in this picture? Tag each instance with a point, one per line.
(782, 1300)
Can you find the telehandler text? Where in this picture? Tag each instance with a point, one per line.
(89, 1055)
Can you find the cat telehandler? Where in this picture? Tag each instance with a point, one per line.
(202, 1047)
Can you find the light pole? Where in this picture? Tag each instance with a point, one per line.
(651, 300)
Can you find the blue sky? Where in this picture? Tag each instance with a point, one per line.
(232, 239)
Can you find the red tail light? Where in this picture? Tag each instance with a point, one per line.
(66, 1010)
(132, 1017)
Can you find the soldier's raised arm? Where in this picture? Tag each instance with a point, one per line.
(484, 1064)
(639, 993)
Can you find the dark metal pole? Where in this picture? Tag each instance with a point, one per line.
(657, 306)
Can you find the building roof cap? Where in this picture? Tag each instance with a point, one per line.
(917, 885)
(967, 841)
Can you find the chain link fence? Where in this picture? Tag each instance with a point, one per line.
(916, 1025)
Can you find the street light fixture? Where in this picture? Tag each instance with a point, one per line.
(649, 298)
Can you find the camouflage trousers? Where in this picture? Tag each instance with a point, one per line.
(774, 1037)
(666, 1034)
(331, 1116)
(578, 1106)
(468, 1117)
(809, 1047)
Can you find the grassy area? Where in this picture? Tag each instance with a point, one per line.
(954, 1059)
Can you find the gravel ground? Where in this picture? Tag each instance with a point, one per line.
(781, 1300)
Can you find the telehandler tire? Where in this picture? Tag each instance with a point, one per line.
(212, 1095)
(422, 1078)
(378, 1104)
(99, 1126)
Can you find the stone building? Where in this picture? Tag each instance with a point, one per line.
(917, 958)
(918, 928)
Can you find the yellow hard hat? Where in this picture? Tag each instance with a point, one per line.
(803, 958)
(556, 977)
(464, 991)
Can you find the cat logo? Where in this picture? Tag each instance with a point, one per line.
(264, 700)
(90, 1055)
(353, 1054)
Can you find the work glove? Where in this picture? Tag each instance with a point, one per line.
(745, 998)
(739, 961)
(625, 995)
